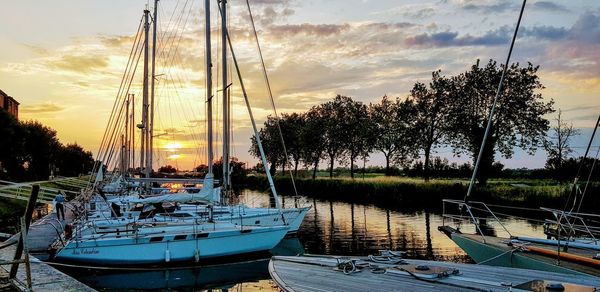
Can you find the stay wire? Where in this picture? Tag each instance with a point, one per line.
(491, 114)
(266, 78)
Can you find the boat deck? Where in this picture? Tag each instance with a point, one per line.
(503, 244)
(314, 273)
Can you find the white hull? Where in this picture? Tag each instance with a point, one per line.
(171, 246)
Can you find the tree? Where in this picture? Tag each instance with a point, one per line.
(558, 145)
(331, 115)
(271, 142)
(432, 115)
(167, 169)
(41, 147)
(384, 117)
(12, 148)
(517, 122)
(313, 140)
(291, 129)
(357, 131)
(73, 160)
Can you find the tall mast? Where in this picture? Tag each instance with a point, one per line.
(208, 88)
(145, 126)
(226, 129)
(126, 154)
(151, 135)
(132, 131)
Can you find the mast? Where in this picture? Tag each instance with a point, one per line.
(151, 127)
(226, 127)
(208, 89)
(145, 106)
(126, 154)
(132, 149)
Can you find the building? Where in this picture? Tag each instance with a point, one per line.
(9, 104)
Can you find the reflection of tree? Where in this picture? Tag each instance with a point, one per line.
(429, 248)
(389, 230)
(485, 228)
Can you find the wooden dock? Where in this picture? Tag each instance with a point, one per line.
(44, 277)
(323, 273)
(42, 234)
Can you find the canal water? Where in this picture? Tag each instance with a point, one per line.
(333, 228)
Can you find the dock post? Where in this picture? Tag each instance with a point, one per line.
(26, 251)
(27, 218)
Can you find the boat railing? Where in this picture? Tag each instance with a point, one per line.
(571, 223)
(469, 207)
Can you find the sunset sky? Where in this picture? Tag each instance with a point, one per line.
(63, 59)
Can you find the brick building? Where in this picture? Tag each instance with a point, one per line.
(9, 104)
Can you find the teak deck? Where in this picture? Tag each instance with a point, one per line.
(319, 274)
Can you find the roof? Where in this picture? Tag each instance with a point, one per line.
(10, 97)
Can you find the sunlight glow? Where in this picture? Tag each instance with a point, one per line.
(173, 146)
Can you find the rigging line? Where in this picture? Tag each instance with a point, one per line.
(119, 92)
(100, 149)
(255, 129)
(266, 77)
(587, 183)
(121, 109)
(111, 127)
(491, 114)
(574, 186)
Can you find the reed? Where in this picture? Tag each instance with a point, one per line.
(397, 193)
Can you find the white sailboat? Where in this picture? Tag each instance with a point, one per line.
(153, 241)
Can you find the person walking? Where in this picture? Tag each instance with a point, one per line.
(60, 208)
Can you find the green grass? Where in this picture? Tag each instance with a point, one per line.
(405, 191)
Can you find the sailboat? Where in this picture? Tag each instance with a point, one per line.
(154, 242)
(571, 245)
(563, 255)
(389, 271)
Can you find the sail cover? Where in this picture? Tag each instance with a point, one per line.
(208, 194)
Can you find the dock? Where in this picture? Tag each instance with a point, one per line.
(44, 277)
(312, 273)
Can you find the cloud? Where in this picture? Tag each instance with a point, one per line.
(288, 30)
(48, 107)
(79, 63)
(549, 6)
(489, 7)
(38, 50)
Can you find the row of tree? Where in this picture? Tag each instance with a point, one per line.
(450, 111)
(31, 151)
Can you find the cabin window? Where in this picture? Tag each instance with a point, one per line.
(257, 222)
(156, 239)
(246, 231)
(180, 237)
(201, 235)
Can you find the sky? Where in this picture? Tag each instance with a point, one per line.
(63, 60)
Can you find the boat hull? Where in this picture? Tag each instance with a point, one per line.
(487, 254)
(129, 250)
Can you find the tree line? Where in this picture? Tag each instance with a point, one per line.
(449, 111)
(31, 151)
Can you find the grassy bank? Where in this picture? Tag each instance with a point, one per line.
(398, 192)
